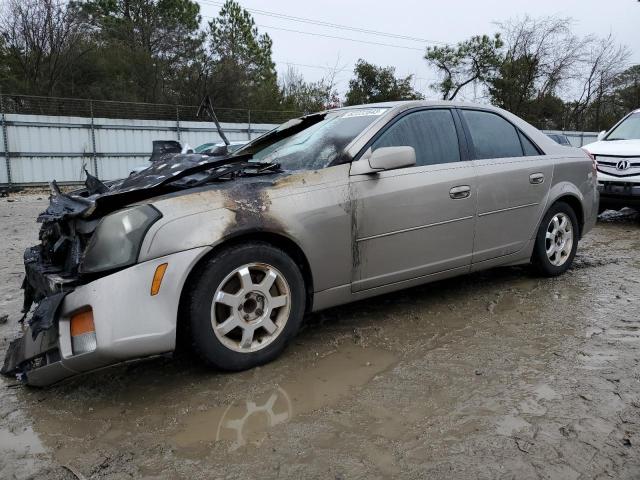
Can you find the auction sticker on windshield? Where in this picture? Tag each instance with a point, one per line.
(365, 112)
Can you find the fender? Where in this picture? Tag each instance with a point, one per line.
(557, 191)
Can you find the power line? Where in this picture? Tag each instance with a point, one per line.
(332, 69)
(315, 34)
(323, 23)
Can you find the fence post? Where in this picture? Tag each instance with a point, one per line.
(93, 141)
(5, 139)
(249, 124)
(178, 121)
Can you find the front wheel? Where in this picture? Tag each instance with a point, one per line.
(556, 241)
(247, 304)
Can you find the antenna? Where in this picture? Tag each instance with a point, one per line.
(206, 106)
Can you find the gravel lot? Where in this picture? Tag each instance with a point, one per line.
(494, 375)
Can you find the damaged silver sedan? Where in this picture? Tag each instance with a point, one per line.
(230, 253)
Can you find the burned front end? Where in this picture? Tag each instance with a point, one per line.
(89, 302)
(76, 247)
(51, 272)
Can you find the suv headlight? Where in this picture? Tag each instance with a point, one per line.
(117, 239)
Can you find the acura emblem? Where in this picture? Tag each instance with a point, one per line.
(623, 165)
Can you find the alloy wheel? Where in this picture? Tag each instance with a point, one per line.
(250, 307)
(559, 239)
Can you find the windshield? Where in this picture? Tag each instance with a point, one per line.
(318, 144)
(628, 129)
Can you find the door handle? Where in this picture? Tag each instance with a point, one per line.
(536, 178)
(462, 191)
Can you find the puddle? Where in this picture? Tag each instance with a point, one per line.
(24, 441)
(246, 422)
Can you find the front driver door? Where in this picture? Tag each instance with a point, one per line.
(413, 222)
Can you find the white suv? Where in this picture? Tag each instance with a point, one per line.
(617, 153)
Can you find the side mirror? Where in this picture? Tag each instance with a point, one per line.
(385, 158)
(602, 134)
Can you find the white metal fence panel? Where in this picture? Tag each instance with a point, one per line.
(577, 139)
(43, 169)
(43, 148)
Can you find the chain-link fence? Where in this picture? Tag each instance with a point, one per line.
(78, 107)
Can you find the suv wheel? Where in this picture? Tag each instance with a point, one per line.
(247, 304)
(556, 241)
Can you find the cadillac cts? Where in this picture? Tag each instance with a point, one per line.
(329, 208)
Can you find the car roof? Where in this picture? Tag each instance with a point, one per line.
(548, 145)
(404, 104)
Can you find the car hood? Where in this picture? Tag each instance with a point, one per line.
(176, 172)
(614, 147)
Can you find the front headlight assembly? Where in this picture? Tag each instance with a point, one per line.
(117, 239)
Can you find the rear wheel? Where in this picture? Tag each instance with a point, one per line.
(556, 241)
(247, 304)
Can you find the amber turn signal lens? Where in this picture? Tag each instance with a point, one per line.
(157, 278)
(81, 323)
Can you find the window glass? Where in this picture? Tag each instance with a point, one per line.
(529, 148)
(492, 135)
(311, 142)
(432, 133)
(629, 129)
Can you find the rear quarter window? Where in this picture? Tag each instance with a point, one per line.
(530, 150)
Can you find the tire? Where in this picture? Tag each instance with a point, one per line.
(553, 262)
(260, 298)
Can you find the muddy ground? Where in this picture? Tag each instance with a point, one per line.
(494, 375)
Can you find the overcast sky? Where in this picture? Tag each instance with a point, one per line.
(446, 21)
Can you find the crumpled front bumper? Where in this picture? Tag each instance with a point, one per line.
(129, 322)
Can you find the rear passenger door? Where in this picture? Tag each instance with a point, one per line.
(513, 182)
(416, 221)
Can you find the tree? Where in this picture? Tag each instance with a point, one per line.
(6, 74)
(243, 73)
(471, 61)
(378, 84)
(144, 45)
(307, 97)
(627, 89)
(603, 63)
(42, 41)
(542, 56)
(622, 96)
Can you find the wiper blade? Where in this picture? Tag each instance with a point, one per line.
(231, 170)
